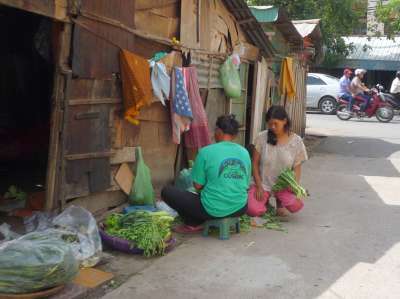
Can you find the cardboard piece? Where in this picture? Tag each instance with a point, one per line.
(247, 51)
(124, 178)
(92, 278)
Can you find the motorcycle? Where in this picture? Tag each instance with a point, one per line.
(391, 99)
(377, 107)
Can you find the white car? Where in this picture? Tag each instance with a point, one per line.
(322, 92)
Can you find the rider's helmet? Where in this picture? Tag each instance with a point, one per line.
(398, 74)
(347, 72)
(360, 71)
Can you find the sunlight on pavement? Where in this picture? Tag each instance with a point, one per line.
(379, 280)
(396, 163)
(386, 188)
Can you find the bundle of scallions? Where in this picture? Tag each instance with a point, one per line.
(287, 180)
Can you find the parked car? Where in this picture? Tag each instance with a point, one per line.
(322, 91)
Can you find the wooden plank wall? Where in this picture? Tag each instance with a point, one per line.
(56, 9)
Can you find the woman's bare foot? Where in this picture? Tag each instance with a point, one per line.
(282, 212)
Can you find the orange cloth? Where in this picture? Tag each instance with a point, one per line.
(286, 83)
(136, 84)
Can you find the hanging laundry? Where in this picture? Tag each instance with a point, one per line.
(181, 112)
(198, 136)
(136, 85)
(287, 84)
(160, 81)
(158, 56)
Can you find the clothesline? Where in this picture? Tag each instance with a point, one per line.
(181, 47)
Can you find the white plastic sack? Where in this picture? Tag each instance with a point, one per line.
(81, 223)
(35, 262)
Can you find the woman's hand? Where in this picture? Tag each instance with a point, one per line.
(260, 192)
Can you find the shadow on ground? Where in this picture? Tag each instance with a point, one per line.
(340, 246)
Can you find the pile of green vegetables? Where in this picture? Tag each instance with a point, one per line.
(145, 230)
(270, 221)
(35, 262)
(287, 180)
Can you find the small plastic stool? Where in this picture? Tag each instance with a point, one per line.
(224, 226)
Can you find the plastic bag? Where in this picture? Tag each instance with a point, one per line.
(8, 234)
(35, 262)
(81, 224)
(230, 79)
(142, 192)
(162, 206)
(38, 221)
(184, 180)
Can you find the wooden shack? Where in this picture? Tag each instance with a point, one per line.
(290, 39)
(74, 88)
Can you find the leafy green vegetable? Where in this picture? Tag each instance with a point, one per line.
(15, 193)
(245, 223)
(286, 180)
(273, 221)
(35, 262)
(146, 230)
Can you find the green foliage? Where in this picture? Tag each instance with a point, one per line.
(389, 15)
(145, 230)
(15, 193)
(287, 180)
(338, 19)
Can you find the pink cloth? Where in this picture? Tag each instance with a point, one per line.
(256, 207)
(284, 199)
(288, 200)
(198, 135)
(180, 123)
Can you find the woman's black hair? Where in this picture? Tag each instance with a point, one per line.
(277, 112)
(228, 124)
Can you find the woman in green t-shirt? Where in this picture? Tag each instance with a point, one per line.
(221, 175)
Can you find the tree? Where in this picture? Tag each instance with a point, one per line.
(389, 15)
(338, 19)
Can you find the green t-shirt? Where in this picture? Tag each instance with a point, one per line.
(224, 169)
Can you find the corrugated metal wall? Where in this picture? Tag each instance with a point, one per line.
(297, 107)
(207, 69)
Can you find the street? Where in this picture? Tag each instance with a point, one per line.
(344, 244)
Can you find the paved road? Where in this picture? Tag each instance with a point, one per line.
(345, 244)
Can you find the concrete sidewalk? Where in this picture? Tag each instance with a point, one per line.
(344, 244)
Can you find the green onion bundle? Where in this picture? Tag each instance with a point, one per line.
(287, 180)
(146, 230)
(35, 262)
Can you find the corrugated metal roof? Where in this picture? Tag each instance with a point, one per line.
(373, 53)
(374, 48)
(279, 17)
(265, 14)
(306, 27)
(250, 25)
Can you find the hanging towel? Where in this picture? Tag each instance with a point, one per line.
(160, 81)
(198, 136)
(181, 112)
(286, 82)
(136, 85)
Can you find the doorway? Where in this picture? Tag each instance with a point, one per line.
(26, 87)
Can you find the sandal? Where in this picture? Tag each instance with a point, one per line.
(187, 229)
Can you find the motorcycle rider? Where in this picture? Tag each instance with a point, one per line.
(344, 88)
(395, 88)
(359, 89)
